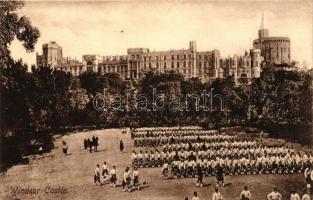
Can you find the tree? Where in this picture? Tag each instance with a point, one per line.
(13, 26)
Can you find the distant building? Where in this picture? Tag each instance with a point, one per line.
(205, 65)
(242, 68)
(275, 50)
(138, 61)
(51, 55)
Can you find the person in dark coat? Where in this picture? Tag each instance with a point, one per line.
(89, 145)
(65, 147)
(85, 144)
(96, 143)
(93, 141)
(121, 146)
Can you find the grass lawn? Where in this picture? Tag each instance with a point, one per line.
(75, 174)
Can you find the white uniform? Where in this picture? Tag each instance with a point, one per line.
(306, 197)
(295, 197)
(195, 198)
(217, 196)
(274, 196)
(246, 194)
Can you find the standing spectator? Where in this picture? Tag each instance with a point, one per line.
(97, 176)
(294, 196)
(96, 143)
(93, 142)
(65, 147)
(40, 150)
(245, 194)
(217, 195)
(195, 196)
(306, 197)
(121, 146)
(85, 144)
(89, 145)
(274, 195)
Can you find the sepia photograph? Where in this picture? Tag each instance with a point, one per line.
(156, 100)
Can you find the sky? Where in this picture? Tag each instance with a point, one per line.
(110, 27)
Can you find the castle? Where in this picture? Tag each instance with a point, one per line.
(205, 65)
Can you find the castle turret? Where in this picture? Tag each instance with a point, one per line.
(192, 46)
(256, 60)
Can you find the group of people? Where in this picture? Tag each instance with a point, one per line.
(91, 144)
(130, 180)
(246, 195)
(197, 153)
(233, 160)
(153, 140)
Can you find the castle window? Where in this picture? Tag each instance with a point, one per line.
(184, 63)
(157, 57)
(177, 64)
(149, 65)
(189, 64)
(189, 56)
(185, 57)
(164, 57)
(157, 65)
(144, 65)
(172, 57)
(177, 56)
(199, 56)
(172, 65)
(200, 65)
(165, 65)
(144, 58)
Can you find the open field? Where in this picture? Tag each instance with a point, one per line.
(75, 174)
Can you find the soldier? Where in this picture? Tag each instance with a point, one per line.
(307, 176)
(217, 195)
(113, 178)
(274, 195)
(105, 171)
(245, 194)
(136, 179)
(126, 179)
(294, 196)
(97, 176)
(195, 196)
